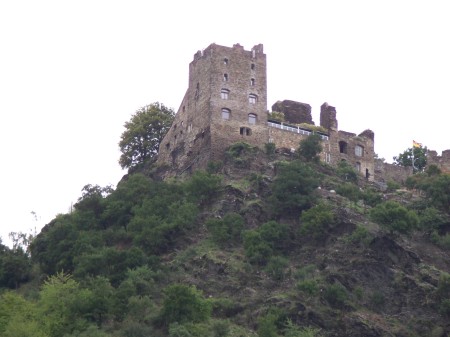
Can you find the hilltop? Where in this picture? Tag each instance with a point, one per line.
(260, 244)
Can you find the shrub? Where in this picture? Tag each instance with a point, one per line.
(203, 187)
(270, 148)
(257, 250)
(347, 172)
(336, 295)
(350, 191)
(441, 241)
(359, 235)
(310, 148)
(309, 287)
(316, 221)
(294, 189)
(371, 197)
(184, 304)
(394, 217)
(276, 267)
(227, 230)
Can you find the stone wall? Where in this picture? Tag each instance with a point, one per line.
(385, 172)
(294, 112)
(443, 161)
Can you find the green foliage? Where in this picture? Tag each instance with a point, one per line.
(276, 267)
(15, 267)
(419, 154)
(240, 154)
(443, 294)
(276, 116)
(392, 186)
(336, 295)
(377, 300)
(267, 326)
(294, 189)
(214, 167)
(143, 134)
(394, 217)
(292, 330)
(310, 148)
(270, 148)
(309, 287)
(350, 191)
(202, 187)
(371, 197)
(257, 250)
(260, 244)
(347, 172)
(442, 241)
(431, 218)
(226, 231)
(316, 221)
(184, 304)
(359, 235)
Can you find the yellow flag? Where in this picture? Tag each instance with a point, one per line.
(415, 144)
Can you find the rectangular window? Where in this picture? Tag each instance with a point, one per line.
(359, 150)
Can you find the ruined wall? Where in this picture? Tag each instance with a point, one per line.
(443, 161)
(294, 112)
(385, 172)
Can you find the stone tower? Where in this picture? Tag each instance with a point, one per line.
(226, 102)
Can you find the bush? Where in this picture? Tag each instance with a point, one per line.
(270, 148)
(294, 189)
(316, 221)
(203, 187)
(359, 235)
(347, 172)
(184, 304)
(336, 295)
(394, 217)
(309, 287)
(276, 267)
(240, 154)
(227, 230)
(310, 148)
(350, 191)
(257, 250)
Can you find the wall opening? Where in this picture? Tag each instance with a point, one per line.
(343, 147)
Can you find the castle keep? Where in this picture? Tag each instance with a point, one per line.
(226, 102)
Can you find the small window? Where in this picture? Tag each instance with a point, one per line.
(197, 91)
(225, 61)
(358, 167)
(359, 150)
(252, 66)
(342, 147)
(252, 98)
(224, 93)
(225, 77)
(226, 113)
(245, 131)
(252, 82)
(252, 118)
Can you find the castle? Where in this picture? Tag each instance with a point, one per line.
(226, 102)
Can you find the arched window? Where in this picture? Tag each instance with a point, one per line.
(224, 93)
(252, 118)
(252, 66)
(359, 151)
(225, 77)
(252, 82)
(252, 98)
(226, 113)
(225, 61)
(342, 147)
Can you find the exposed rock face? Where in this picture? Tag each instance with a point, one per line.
(294, 112)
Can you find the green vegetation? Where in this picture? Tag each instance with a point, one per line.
(418, 154)
(143, 134)
(310, 148)
(394, 217)
(258, 250)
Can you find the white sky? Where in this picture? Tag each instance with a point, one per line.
(72, 72)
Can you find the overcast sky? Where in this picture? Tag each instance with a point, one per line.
(72, 72)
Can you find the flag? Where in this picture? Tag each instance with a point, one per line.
(415, 144)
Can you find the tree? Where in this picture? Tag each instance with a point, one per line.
(406, 158)
(310, 148)
(395, 217)
(143, 134)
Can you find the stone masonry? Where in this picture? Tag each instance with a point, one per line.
(226, 102)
